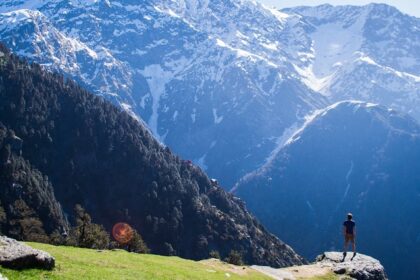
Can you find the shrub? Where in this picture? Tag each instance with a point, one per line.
(137, 245)
(234, 257)
(3, 216)
(87, 234)
(214, 254)
(26, 225)
(56, 238)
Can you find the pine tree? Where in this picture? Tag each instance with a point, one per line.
(234, 257)
(87, 234)
(26, 226)
(137, 245)
(3, 216)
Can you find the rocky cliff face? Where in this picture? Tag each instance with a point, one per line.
(359, 267)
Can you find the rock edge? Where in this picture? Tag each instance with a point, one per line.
(360, 267)
(16, 255)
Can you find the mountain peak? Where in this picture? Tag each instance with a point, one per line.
(343, 12)
(19, 15)
(382, 8)
(348, 109)
(11, 5)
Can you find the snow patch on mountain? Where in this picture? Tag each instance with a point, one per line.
(129, 109)
(204, 64)
(7, 6)
(312, 81)
(334, 45)
(348, 177)
(217, 119)
(157, 78)
(309, 119)
(282, 17)
(202, 162)
(368, 60)
(61, 52)
(362, 52)
(243, 53)
(283, 140)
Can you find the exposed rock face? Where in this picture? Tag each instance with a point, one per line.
(16, 255)
(360, 267)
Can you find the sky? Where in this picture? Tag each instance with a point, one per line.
(411, 7)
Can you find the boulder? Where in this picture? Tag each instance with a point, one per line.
(360, 267)
(16, 255)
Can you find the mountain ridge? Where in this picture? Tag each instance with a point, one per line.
(227, 83)
(193, 69)
(100, 157)
(351, 157)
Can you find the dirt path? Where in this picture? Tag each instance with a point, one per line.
(294, 272)
(217, 264)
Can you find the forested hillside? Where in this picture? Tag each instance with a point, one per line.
(100, 157)
(28, 208)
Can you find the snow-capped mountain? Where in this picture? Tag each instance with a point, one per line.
(222, 82)
(37, 39)
(197, 83)
(228, 83)
(350, 157)
(369, 53)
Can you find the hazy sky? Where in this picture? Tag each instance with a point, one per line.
(411, 7)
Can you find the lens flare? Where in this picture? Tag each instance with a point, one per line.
(122, 233)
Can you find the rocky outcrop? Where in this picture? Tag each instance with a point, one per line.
(16, 255)
(360, 267)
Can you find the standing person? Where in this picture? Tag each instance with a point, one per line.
(349, 232)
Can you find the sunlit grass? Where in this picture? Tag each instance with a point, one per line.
(329, 276)
(77, 263)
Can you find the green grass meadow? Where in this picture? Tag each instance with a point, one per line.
(85, 264)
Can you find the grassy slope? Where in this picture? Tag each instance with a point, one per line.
(85, 264)
(329, 276)
(77, 263)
